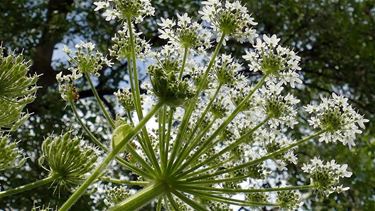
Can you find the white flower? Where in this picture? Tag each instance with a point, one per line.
(280, 109)
(101, 5)
(326, 176)
(121, 47)
(123, 9)
(270, 58)
(338, 118)
(110, 15)
(185, 33)
(232, 19)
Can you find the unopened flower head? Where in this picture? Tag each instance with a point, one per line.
(326, 176)
(273, 59)
(338, 118)
(125, 9)
(12, 157)
(67, 159)
(167, 87)
(125, 99)
(122, 47)
(17, 89)
(85, 59)
(229, 18)
(185, 33)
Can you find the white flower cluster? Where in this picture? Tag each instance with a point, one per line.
(185, 33)
(338, 118)
(66, 84)
(121, 48)
(326, 176)
(125, 9)
(271, 58)
(225, 69)
(230, 18)
(85, 59)
(280, 109)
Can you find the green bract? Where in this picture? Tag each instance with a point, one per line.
(10, 156)
(67, 159)
(17, 89)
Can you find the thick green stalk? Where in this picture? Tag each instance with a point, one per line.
(261, 159)
(30, 186)
(100, 102)
(191, 106)
(99, 170)
(103, 147)
(141, 198)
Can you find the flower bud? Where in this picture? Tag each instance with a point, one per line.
(11, 155)
(17, 89)
(67, 159)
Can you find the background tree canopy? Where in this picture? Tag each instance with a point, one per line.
(335, 38)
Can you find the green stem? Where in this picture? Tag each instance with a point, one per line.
(103, 147)
(220, 164)
(229, 190)
(124, 182)
(204, 147)
(186, 52)
(266, 157)
(100, 102)
(162, 123)
(190, 202)
(137, 96)
(191, 106)
(101, 168)
(199, 122)
(228, 148)
(227, 200)
(141, 198)
(195, 141)
(27, 187)
(173, 202)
